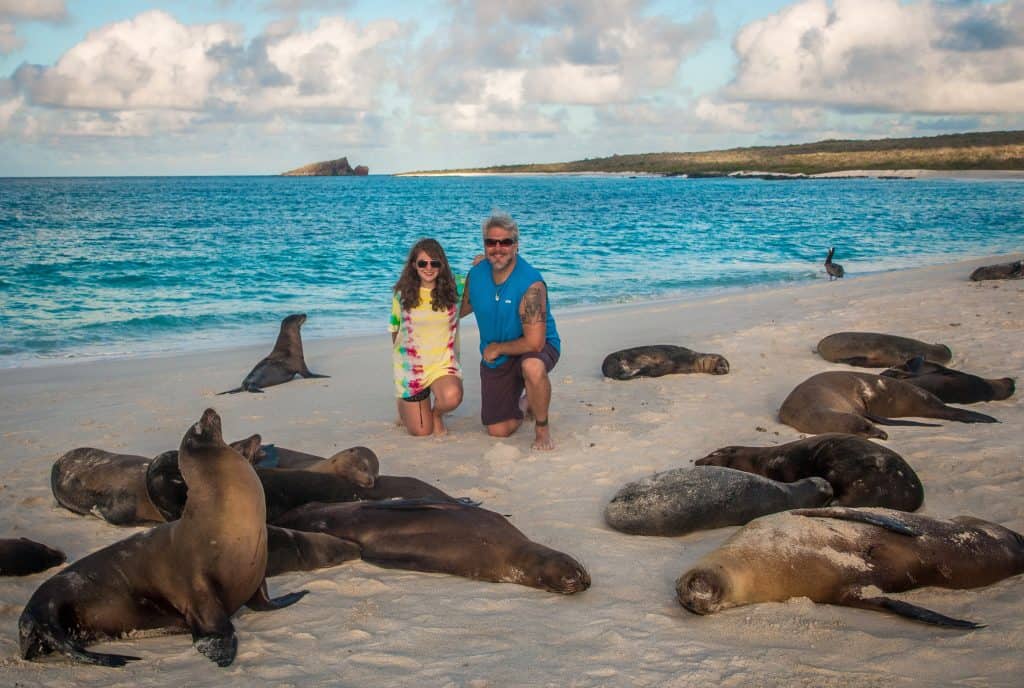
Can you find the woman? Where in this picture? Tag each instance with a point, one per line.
(424, 334)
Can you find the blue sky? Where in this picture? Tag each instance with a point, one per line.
(261, 86)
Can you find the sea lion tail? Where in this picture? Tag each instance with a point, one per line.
(847, 514)
(882, 420)
(38, 637)
(965, 416)
(910, 611)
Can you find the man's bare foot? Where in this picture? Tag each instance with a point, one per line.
(542, 441)
(439, 426)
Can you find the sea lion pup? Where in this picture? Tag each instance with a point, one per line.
(294, 550)
(191, 575)
(661, 359)
(358, 464)
(21, 556)
(840, 555)
(286, 489)
(860, 472)
(443, 537)
(283, 363)
(841, 401)
(952, 386)
(1014, 270)
(874, 350)
(834, 270)
(113, 486)
(682, 500)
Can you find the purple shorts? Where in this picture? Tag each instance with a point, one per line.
(501, 387)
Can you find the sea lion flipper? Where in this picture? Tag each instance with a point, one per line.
(882, 420)
(871, 518)
(262, 602)
(236, 390)
(220, 649)
(411, 504)
(308, 374)
(910, 611)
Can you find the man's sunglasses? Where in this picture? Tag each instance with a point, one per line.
(499, 242)
(432, 263)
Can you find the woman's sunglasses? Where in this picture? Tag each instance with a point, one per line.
(432, 263)
(496, 242)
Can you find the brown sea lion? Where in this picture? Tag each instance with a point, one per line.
(1014, 270)
(113, 486)
(294, 550)
(286, 489)
(834, 270)
(683, 500)
(661, 359)
(841, 401)
(358, 464)
(847, 556)
(190, 575)
(874, 350)
(952, 386)
(860, 472)
(283, 363)
(443, 537)
(21, 556)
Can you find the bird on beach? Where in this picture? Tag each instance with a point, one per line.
(834, 270)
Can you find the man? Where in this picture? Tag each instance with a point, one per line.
(519, 343)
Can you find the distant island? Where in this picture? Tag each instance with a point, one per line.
(997, 150)
(329, 168)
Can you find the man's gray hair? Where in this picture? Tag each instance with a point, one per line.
(502, 220)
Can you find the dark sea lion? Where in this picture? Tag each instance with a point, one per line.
(834, 270)
(860, 472)
(683, 500)
(285, 489)
(847, 402)
(358, 464)
(952, 386)
(21, 556)
(191, 575)
(840, 555)
(1014, 270)
(294, 550)
(874, 350)
(283, 363)
(113, 486)
(443, 537)
(661, 359)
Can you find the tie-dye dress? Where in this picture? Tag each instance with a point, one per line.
(426, 346)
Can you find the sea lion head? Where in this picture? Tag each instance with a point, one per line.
(714, 364)
(553, 571)
(204, 434)
(704, 590)
(728, 457)
(357, 464)
(295, 320)
(618, 367)
(250, 448)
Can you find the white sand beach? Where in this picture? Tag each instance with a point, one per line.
(366, 626)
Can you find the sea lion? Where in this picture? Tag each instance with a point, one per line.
(952, 386)
(286, 489)
(443, 537)
(874, 350)
(841, 401)
(294, 550)
(661, 359)
(113, 486)
(683, 500)
(358, 464)
(283, 363)
(834, 270)
(840, 555)
(1014, 270)
(860, 472)
(21, 556)
(191, 575)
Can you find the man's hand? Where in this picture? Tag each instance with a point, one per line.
(492, 352)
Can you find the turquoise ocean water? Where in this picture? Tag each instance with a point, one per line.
(100, 267)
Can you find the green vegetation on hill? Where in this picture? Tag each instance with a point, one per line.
(997, 150)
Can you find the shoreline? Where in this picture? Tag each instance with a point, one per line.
(376, 626)
(977, 175)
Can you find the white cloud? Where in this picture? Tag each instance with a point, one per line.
(886, 55)
(9, 39)
(37, 10)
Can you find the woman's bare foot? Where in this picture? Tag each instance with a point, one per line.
(439, 426)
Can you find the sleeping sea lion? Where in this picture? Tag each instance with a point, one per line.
(113, 486)
(660, 359)
(952, 386)
(443, 537)
(283, 363)
(190, 575)
(860, 472)
(1014, 270)
(841, 401)
(874, 350)
(847, 557)
(294, 550)
(21, 556)
(682, 500)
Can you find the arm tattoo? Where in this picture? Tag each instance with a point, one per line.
(534, 305)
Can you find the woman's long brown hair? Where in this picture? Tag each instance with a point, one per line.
(443, 295)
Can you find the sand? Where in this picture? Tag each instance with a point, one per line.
(362, 625)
